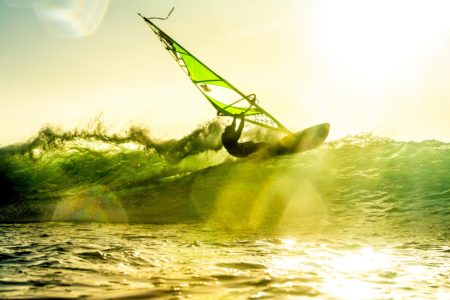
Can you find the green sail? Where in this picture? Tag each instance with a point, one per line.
(223, 96)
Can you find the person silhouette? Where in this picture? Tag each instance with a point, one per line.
(230, 140)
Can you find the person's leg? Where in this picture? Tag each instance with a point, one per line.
(248, 148)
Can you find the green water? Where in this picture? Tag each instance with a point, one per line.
(358, 218)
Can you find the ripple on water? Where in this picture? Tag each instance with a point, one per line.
(174, 262)
(242, 266)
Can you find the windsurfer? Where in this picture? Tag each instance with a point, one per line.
(230, 138)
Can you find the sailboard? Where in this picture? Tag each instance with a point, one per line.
(224, 97)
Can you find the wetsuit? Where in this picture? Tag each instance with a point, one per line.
(230, 139)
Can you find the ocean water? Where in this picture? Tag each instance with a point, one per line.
(87, 214)
(67, 260)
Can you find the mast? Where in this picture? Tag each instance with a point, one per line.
(165, 39)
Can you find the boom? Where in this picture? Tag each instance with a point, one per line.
(225, 98)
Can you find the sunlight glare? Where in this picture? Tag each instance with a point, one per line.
(289, 243)
(285, 264)
(350, 289)
(379, 42)
(363, 261)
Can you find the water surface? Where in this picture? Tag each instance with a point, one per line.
(68, 260)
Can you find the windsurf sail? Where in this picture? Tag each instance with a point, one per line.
(224, 97)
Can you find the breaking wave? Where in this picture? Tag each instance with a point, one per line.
(90, 175)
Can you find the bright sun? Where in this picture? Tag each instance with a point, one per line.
(377, 65)
(380, 41)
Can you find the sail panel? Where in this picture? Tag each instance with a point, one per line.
(224, 97)
(197, 71)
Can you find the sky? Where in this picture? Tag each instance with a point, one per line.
(363, 66)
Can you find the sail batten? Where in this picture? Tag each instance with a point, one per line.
(223, 96)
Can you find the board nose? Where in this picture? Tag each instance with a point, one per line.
(325, 129)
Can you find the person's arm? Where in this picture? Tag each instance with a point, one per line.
(233, 124)
(241, 126)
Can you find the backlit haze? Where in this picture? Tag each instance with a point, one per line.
(364, 66)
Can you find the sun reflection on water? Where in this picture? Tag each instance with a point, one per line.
(347, 274)
(365, 260)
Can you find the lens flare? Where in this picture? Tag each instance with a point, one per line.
(91, 204)
(71, 18)
(247, 198)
